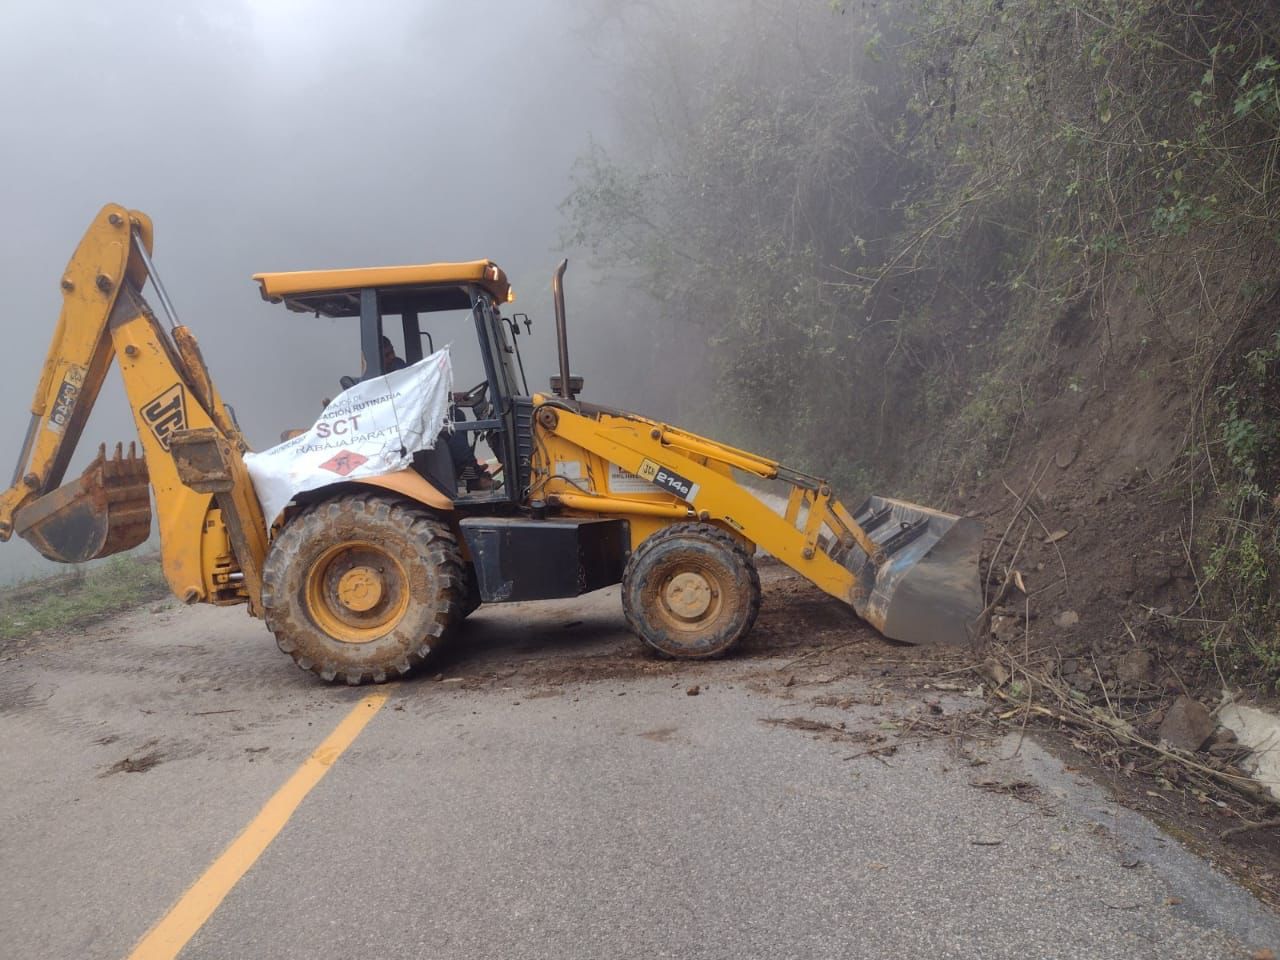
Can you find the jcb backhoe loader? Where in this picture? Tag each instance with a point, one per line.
(360, 580)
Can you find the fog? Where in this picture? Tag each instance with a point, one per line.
(285, 135)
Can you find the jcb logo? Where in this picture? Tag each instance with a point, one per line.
(166, 413)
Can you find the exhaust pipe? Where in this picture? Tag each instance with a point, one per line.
(562, 333)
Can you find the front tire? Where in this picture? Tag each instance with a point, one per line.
(691, 591)
(361, 588)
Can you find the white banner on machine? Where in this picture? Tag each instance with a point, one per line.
(371, 429)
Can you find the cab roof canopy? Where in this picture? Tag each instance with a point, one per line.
(419, 288)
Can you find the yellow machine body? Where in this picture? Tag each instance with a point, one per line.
(908, 570)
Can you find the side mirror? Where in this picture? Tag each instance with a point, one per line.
(347, 382)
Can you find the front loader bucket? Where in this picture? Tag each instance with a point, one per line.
(107, 510)
(923, 587)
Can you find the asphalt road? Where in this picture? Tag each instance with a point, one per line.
(502, 812)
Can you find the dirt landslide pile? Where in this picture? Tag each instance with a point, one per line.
(1101, 529)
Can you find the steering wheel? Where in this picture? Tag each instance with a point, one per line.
(473, 397)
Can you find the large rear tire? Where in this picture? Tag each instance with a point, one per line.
(691, 591)
(362, 588)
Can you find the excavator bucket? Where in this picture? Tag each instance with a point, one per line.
(107, 510)
(922, 586)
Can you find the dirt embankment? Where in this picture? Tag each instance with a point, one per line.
(1101, 518)
(1087, 514)
(1103, 506)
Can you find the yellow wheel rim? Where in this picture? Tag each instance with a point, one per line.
(689, 594)
(357, 592)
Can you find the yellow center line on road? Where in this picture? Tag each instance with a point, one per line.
(179, 925)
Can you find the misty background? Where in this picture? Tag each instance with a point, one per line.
(265, 135)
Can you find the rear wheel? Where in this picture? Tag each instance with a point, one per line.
(691, 591)
(361, 588)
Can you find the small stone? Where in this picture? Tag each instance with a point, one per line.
(1067, 453)
(1066, 618)
(1136, 666)
(1082, 681)
(1005, 629)
(994, 671)
(1187, 725)
(693, 691)
(1223, 737)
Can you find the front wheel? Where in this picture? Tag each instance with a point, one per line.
(360, 588)
(691, 591)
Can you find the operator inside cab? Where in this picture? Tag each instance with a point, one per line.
(470, 471)
(390, 362)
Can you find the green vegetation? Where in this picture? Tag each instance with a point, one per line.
(1243, 564)
(62, 602)
(894, 230)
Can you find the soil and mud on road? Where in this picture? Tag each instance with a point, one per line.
(820, 793)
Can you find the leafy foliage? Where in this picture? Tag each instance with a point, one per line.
(1242, 571)
(894, 233)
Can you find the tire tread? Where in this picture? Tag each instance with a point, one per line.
(422, 531)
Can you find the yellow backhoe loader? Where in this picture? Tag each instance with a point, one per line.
(360, 580)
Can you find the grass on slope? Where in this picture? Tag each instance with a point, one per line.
(71, 600)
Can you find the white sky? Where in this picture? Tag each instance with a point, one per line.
(281, 135)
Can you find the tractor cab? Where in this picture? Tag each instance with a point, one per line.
(484, 460)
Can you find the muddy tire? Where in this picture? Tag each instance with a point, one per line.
(361, 588)
(691, 591)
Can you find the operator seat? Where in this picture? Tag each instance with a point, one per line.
(436, 466)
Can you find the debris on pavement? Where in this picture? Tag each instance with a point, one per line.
(140, 764)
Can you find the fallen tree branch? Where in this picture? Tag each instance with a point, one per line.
(1048, 539)
(1020, 504)
(1094, 719)
(1247, 827)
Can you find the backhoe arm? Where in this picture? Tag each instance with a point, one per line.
(79, 355)
(212, 542)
